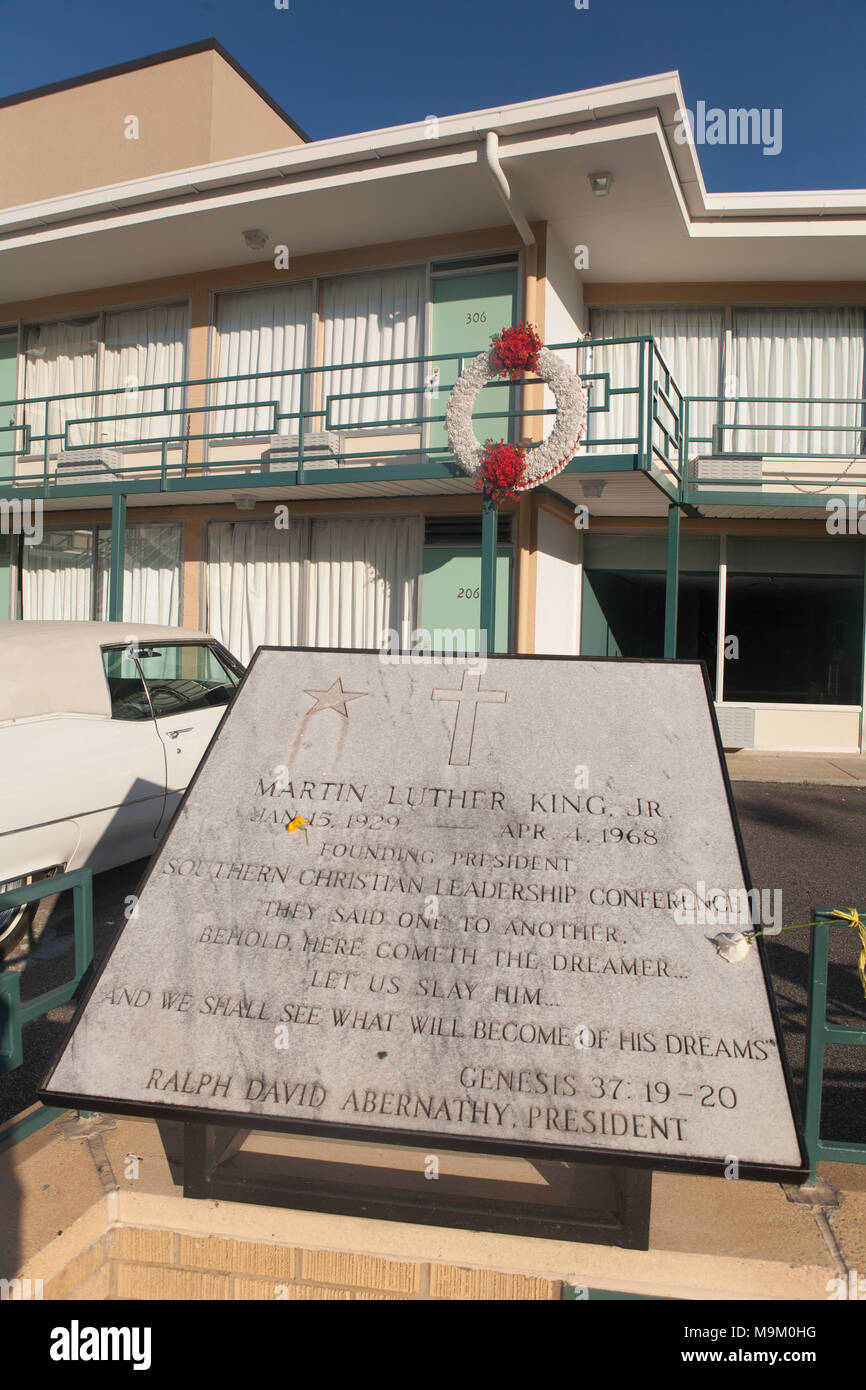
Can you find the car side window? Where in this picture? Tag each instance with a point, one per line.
(182, 677)
(126, 688)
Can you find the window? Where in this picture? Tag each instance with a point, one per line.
(66, 575)
(147, 682)
(181, 679)
(129, 352)
(806, 353)
(690, 341)
(373, 318)
(796, 610)
(262, 331)
(328, 583)
(364, 318)
(797, 352)
(624, 598)
(125, 686)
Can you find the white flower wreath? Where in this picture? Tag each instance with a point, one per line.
(548, 458)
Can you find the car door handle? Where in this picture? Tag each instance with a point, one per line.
(175, 733)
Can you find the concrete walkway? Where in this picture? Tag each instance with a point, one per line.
(806, 769)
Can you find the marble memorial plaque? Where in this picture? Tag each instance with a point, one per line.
(453, 902)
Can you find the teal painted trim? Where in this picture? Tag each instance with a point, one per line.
(158, 477)
(14, 1015)
(700, 497)
(289, 477)
(672, 581)
(819, 1034)
(107, 489)
(29, 1124)
(489, 536)
(11, 1043)
(116, 557)
(673, 494)
(604, 463)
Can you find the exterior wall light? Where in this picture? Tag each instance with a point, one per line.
(256, 239)
(600, 184)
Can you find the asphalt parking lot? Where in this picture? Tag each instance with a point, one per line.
(806, 841)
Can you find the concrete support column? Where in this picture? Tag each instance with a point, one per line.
(489, 538)
(116, 557)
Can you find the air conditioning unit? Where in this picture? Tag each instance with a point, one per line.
(745, 469)
(321, 448)
(82, 465)
(736, 726)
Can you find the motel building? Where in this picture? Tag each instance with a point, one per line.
(226, 352)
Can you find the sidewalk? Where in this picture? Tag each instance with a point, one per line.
(804, 769)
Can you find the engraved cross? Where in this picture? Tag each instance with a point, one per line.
(468, 698)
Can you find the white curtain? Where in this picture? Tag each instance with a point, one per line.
(798, 352)
(57, 576)
(689, 340)
(151, 574)
(262, 331)
(256, 584)
(327, 583)
(60, 358)
(370, 318)
(143, 347)
(363, 579)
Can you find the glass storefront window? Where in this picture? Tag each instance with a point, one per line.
(624, 598)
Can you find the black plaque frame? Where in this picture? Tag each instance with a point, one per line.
(208, 1149)
(205, 1172)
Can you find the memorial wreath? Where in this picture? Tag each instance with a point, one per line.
(505, 470)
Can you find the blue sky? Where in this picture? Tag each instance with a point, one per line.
(338, 66)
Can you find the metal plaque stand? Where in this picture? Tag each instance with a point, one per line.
(600, 1204)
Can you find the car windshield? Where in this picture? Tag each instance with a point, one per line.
(179, 677)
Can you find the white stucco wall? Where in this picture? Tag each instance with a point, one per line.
(557, 590)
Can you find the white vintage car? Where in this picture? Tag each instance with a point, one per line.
(101, 727)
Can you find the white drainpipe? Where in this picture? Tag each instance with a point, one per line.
(488, 155)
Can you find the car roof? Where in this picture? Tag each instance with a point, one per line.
(55, 667)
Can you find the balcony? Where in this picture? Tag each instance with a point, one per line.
(293, 429)
(646, 443)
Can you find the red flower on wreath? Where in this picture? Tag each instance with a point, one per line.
(515, 350)
(501, 470)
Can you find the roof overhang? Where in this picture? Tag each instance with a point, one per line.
(658, 223)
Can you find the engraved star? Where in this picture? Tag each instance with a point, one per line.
(335, 698)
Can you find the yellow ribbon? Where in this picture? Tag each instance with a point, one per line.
(853, 919)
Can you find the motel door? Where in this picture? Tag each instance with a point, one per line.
(469, 306)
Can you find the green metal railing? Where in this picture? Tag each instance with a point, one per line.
(14, 1014)
(198, 413)
(819, 1035)
(773, 422)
